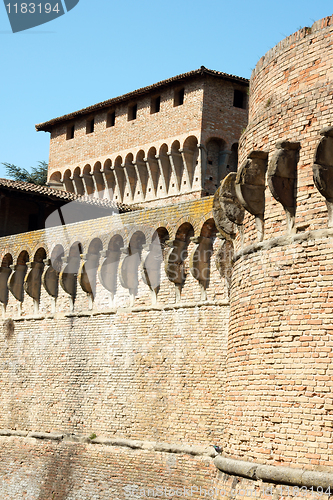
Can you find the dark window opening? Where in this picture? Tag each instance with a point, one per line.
(70, 132)
(111, 119)
(132, 112)
(210, 162)
(90, 126)
(179, 97)
(239, 99)
(155, 105)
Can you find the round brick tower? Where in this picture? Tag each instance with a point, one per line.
(279, 399)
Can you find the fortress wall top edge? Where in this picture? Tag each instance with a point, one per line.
(289, 40)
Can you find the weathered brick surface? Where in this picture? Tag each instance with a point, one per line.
(207, 111)
(279, 376)
(39, 470)
(291, 98)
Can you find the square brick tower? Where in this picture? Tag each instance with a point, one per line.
(174, 140)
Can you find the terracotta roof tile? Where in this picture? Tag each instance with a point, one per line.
(58, 194)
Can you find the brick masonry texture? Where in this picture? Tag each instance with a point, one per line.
(279, 376)
(207, 111)
(172, 371)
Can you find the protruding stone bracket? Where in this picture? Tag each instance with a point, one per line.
(200, 262)
(151, 269)
(16, 280)
(227, 210)
(68, 276)
(107, 272)
(5, 272)
(323, 169)
(282, 178)
(224, 261)
(129, 271)
(250, 187)
(33, 282)
(174, 267)
(50, 282)
(87, 275)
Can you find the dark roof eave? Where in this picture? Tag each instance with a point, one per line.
(47, 126)
(61, 196)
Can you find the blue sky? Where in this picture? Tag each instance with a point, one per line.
(102, 49)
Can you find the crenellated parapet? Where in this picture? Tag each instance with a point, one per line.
(118, 261)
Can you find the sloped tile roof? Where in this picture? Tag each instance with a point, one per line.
(58, 194)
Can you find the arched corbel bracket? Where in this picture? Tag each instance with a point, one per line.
(87, 275)
(282, 178)
(151, 268)
(33, 281)
(323, 169)
(50, 281)
(108, 271)
(224, 261)
(250, 187)
(174, 267)
(128, 274)
(200, 262)
(5, 272)
(227, 210)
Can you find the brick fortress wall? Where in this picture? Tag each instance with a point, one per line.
(145, 377)
(279, 406)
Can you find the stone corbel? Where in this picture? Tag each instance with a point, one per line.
(129, 269)
(68, 277)
(87, 275)
(200, 262)
(323, 169)
(5, 272)
(250, 187)
(228, 212)
(151, 268)
(174, 267)
(32, 282)
(15, 283)
(50, 282)
(108, 271)
(282, 178)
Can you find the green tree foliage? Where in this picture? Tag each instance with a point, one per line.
(38, 175)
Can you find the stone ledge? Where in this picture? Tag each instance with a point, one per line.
(113, 441)
(274, 474)
(283, 241)
(108, 312)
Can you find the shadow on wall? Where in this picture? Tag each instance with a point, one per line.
(58, 481)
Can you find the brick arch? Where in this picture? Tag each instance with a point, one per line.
(190, 142)
(123, 232)
(194, 223)
(166, 224)
(146, 230)
(38, 245)
(202, 220)
(17, 253)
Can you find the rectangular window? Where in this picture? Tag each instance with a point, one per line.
(111, 119)
(239, 99)
(132, 112)
(70, 132)
(155, 104)
(179, 97)
(90, 126)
